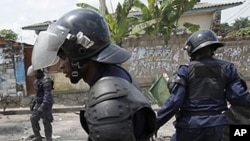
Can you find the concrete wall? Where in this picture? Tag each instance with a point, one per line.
(7, 72)
(151, 57)
(12, 85)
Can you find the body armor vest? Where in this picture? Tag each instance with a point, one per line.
(41, 85)
(112, 103)
(207, 79)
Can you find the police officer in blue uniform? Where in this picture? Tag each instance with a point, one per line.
(42, 104)
(200, 91)
(116, 110)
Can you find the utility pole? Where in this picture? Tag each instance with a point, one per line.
(102, 7)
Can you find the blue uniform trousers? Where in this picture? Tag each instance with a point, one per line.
(198, 134)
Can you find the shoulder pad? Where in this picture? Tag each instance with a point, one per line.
(47, 83)
(240, 78)
(107, 88)
(173, 81)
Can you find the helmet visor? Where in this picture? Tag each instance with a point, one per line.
(48, 42)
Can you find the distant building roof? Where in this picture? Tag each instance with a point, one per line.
(198, 8)
(205, 7)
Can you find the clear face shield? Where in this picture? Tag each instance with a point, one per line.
(48, 42)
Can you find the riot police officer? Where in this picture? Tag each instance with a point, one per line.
(200, 91)
(116, 110)
(42, 104)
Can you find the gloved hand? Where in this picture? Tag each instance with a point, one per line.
(40, 110)
(32, 104)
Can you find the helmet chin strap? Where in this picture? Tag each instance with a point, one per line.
(75, 69)
(76, 73)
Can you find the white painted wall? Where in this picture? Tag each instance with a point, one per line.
(204, 20)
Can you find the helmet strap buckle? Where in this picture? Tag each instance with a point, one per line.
(81, 39)
(84, 40)
(74, 73)
(75, 67)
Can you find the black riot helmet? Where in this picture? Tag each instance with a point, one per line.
(81, 34)
(201, 39)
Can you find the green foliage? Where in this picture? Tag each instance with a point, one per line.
(240, 28)
(245, 32)
(225, 28)
(165, 16)
(119, 22)
(241, 23)
(8, 34)
(191, 27)
(85, 5)
(158, 18)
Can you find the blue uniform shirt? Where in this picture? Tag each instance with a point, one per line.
(235, 93)
(43, 88)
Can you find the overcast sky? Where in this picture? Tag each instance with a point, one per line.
(15, 14)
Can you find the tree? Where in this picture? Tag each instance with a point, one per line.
(158, 18)
(8, 34)
(119, 22)
(240, 28)
(225, 28)
(241, 23)
(162, 18)
(102, 6)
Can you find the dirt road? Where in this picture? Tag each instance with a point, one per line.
(66, 127)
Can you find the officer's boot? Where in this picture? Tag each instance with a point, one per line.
(47, 130)
(36, 129)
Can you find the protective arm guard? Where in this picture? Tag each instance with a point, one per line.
(174, 81)
(112, 102)
(239, 77)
